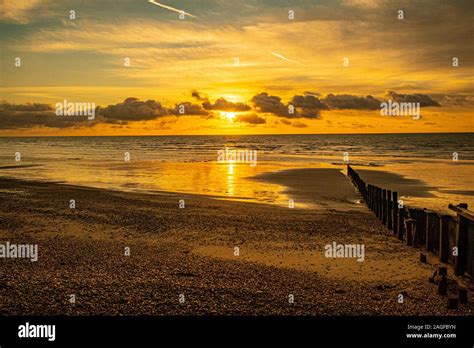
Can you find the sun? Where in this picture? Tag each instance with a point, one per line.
(229, 116)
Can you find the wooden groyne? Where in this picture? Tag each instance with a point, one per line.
(451, 238)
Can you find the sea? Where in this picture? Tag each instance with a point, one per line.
(191, 164)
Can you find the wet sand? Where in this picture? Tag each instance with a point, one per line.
(319, 188)
(191, 252)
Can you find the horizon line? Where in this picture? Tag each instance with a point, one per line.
(207, 135)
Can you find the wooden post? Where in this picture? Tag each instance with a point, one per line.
(395, 211)
(431, 224)
(401, 223)
(463, 243)
(410, 224)
(372, 197)
(377, 201)
(462, 294)
(383, 216)
(419, 231)
(436, 223)
(460, 262)
(444, 239)
(453, 302)
(443, 286)
(380, 204)
(389, 210)
(368, 195)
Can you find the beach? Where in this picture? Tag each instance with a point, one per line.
(184, 261)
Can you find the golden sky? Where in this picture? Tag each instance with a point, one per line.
(235, 66)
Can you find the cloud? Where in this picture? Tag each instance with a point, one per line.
(457, 100)
(423, 99)
(15, 116)
(312, 93)
(304, 107)
(18, 11)
(199, 96)
(132, 109)
(251, 118)
(188, 109)
(295, 124)
(223, 105)
(308, 101)
(348, 101)
(25, 107)
(270, 104)
(298, 124)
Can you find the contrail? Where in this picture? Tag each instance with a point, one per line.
(284, 58)
(171, 8)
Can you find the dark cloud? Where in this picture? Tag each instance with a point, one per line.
(423, 99)
(199, 96)
(348, 101)
(251, 118)
(457, 100)
(132, 109)
(298, 124)
(15, 116)
(270, 104)
(304, 106)
(224, 105)
(312, 93)
(25, 107)
(188, 109)
(308, 101)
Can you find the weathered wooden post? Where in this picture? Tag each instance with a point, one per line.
(419, 231)
(366, 196)
(461, 242)
(401, 222)
(377, 201)
(444, 239)
(369, 188)
(410, 225)
(436, 223)
(395, 211)
(389, 210)
(462, 294)
(374, 199)
(453, 302)
(383, 217)
(432, 222)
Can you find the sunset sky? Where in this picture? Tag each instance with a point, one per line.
(236, 66)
